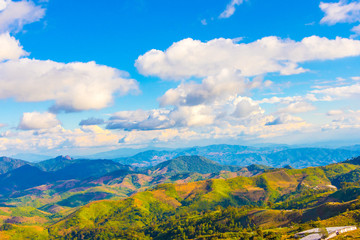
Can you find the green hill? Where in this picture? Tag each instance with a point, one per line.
(195, 164)
(168, 202)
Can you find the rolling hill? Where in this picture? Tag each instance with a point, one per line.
(154, 213)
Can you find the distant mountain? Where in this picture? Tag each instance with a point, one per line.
(148, 158)
(119, 153)
(192, 164)
(352, 147)
(8, 164)
(31, 157)
(276, 156)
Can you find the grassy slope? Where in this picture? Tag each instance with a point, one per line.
(169, 199)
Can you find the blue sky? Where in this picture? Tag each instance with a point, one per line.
(140, 73)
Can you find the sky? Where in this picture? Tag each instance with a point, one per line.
(80, 77)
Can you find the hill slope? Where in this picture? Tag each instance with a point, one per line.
(194, 164)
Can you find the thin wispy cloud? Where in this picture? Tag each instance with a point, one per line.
(230, 8)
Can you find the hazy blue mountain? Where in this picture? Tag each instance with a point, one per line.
(8, 164)
(276, 156)
(31, 157)
(119, 153)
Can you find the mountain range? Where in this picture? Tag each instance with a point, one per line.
(188, 196)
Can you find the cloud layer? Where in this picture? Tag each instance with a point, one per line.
(192, 58)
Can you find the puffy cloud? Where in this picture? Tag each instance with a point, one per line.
(233, 110)
(192, 58)
(10, 48)
(230, 8)
(91, 136)
(141, 120)
(246, 107)
(58, 138)
(351, 91)
(36, 120)
(335, 112)
(284, 119)
(74, 86)
(13, 15)
(297, 107)
(91, 121)
(340, 12)
(226, 83)
(342, 119)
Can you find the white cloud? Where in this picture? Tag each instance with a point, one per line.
(73, 86)
(36, 120)
(246, 107)
(141, 120)
(230, 8)
(335, 112)
(284, 119)
(351, 91)
(342, 119)
(226, 83)
(234, 110)
(14, 15)
(192, 58)
(297, 107)
(356, 29)
(340, 12)
(10, 48)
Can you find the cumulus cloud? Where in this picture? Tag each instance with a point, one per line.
(297, 107)
(141, 120)
(14, 15)
(340, 12)
(10, 48)
(284, 119)
(226, 83)
(350, 91)
(230, 8)
(233, 110)
(74, 86)
(36, 120)
(246, 107)
(192, 58)
(335, 112)
(343, 119)
(91, 121)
